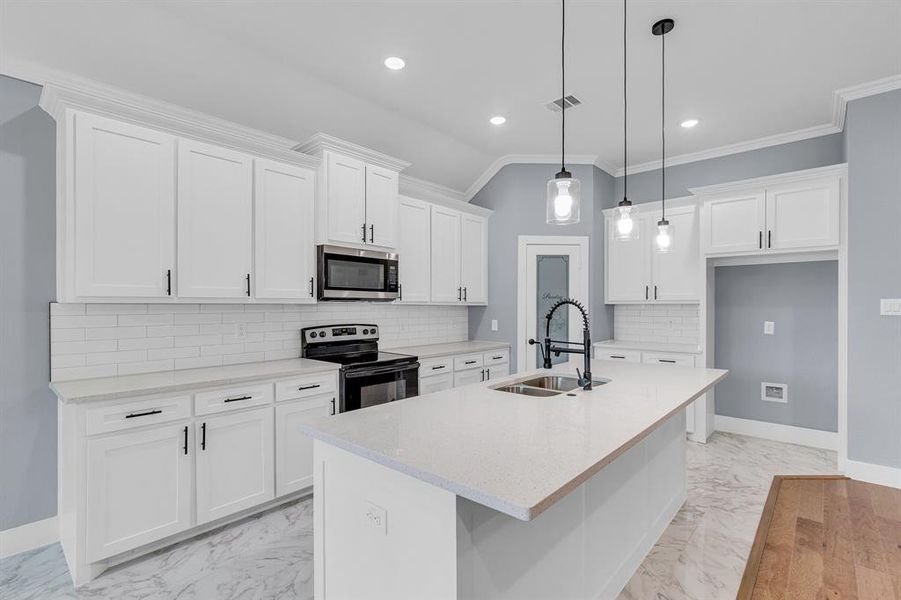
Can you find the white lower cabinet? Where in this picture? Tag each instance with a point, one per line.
(468, 377)
(234, 465)
(293, 449)
(139, 488)
(442, 373)
(436, 383)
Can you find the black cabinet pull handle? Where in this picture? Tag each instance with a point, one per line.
(497, 357)
(655, 292)
(464, 295)
(459, 293)
(203, 437)
(143, 414)
(372, 234)
(248, 285)
(185, 447)
(364, 233)
(645, 292)
(616, 356)
(311, 287)
(483, 374)
(469, 362)
(769, 238)
(308, 387)
(436, 367)
(168, 282)
(400, 291)
(760, 239)
(489, 373)
(666, 360)
(238, 399)
(333, 406)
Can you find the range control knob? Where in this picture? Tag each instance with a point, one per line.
(314, 334)
(373, 331)
(365, 331)
(321, 334)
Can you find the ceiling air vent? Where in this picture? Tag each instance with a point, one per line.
(565, 102)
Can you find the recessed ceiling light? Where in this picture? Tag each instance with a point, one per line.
(395, 63)
(689, 123)
(498, 120)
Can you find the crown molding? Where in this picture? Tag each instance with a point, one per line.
(426, 190)
(321, 142)
(840, 170)
(523, 159)
(841, 97)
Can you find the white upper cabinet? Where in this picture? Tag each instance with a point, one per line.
(473, 258)
(124, 209)
(636, 273)
(284, 248)
(215, 212)
(345, 199)
(803, 215)
(414, 250)
(792, 214)
(381, 206)
(445, 259)
(735, 223)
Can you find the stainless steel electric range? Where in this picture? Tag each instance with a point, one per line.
(367, 377)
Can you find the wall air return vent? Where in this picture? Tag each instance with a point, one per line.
(561, 103)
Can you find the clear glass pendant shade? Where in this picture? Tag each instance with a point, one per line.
(663, 242)
(626, 225)
(564, 199)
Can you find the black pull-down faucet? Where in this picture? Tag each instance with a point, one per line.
(548, 348)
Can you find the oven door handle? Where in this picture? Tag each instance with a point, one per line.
(354, 374)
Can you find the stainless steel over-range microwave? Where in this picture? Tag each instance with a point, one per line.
(355, 274)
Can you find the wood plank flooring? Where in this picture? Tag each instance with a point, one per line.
(829, 538)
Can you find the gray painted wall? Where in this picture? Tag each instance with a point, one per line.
(27, 285)
(516, 194)
(802, 300)
(873, 149)
(806, 154)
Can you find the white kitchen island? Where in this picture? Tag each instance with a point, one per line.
(478, 493)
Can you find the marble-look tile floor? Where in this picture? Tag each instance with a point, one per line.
(701, 556)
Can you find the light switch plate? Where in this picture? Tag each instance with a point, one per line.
(376, 517)
(493, 324)
(769, 327)
(890, 307)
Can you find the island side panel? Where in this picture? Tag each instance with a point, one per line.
(589, 543)
(378, 533)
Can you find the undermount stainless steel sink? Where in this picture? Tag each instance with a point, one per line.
(545, 385)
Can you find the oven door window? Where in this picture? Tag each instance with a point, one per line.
(354, 274)
(369, 388)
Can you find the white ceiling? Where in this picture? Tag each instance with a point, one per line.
(746, 68)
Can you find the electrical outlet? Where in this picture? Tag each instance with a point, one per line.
(240, 331)
(376, 517)
(890, 307)
(774, 392)
(493, 324)
(769, 327)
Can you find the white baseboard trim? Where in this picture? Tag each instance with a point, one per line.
(778, 433)
(872, 473)
(28, 537)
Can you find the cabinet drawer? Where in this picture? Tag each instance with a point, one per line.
(468, 361)
(233, 398)
(436, 383)
(684, 360)
(496, 357)
(621, 355)
(306, 387)
(137, 413)
(436, 366)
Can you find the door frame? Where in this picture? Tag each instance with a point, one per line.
(584, 285)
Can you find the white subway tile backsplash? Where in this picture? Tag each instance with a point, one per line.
(99, 340)
(658, 323)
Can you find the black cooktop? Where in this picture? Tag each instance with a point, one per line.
(367, 359)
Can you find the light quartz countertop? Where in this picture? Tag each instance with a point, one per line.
(649, 346)
(433, 350)
(513, 453)
(110, 388)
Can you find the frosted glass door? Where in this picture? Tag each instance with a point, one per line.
(552, 285)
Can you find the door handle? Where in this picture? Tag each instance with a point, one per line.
(483, 374)
(333, 406)
(464, 295)
(769, 238)
(760, 239)
(372, 234)
(459, 294)
(364, 233)
(400, 291)
(248, 285)
(168, 282)
(489, 373)
(655, 292)
(645, 292)
(185, 447)
(311, 287)
(203, 436)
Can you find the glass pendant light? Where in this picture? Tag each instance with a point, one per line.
(626, 227)
(663, 242)
(564, 192)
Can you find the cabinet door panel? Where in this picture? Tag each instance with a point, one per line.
(284, 245)
(138, 489)
(414, 250)
(628, 275)
(468, 377)
(124, 208)
(803, 215)
(294, 450)
(234, 463)
(435, 383)
(734, 224)
(215, 212)
(346, 198)
(497, 371)
(473, 258)
(381, 206)
(445, 255)
(676, 275)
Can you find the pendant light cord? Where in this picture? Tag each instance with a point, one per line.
(663, 127)
(563, 84)
(625, 115)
